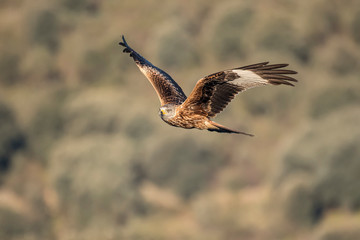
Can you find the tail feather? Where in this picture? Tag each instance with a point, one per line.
(215, 127)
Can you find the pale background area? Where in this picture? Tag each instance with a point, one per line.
(84, 154)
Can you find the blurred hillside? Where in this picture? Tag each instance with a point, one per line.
(84, 155)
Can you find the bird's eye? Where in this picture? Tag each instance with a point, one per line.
(163, 111)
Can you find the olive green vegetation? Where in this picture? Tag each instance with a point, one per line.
(84, 155)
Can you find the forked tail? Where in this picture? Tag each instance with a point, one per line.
(215, 127)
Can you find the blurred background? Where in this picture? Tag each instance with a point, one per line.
(84, 154)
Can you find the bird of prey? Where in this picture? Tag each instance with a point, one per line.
(210, 95)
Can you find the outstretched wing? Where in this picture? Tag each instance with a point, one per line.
(212, 93)
(167, 89)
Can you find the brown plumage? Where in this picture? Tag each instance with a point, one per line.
(210, 95)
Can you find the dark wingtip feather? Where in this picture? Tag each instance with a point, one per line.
(274, 66)
(253, 66)
(128, 49)
(278, 77)
(274, 73)
(124, 43)
(277, 71)
(278, 82)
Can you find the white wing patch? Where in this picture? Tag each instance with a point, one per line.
(248, 79)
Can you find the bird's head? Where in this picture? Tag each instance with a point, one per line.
(167, 111)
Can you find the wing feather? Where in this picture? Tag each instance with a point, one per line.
(212, 93)
(166, 88)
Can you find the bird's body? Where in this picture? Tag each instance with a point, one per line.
(210, 95)
(181, 118)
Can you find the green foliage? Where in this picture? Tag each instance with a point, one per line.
(11, 137)
(302, 207)
(302, 52)
(345, 62)
(341, 234)
(183, 166)
(95, 177)
(337, 187)
(95, 65)
(103, 65)
(48, 124)
(12, 3)
(91, 6)
(75, 5)
(275, 102)
(332, 99)
(355, 28)
(9, 67)
(323, 21)
(14, 225)
(343, 227)
(88, 113)
(280, 35)
(327, 156)
(229, 32)
(46, 30)
(138, 129)
(175, 49)
(11, 223)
